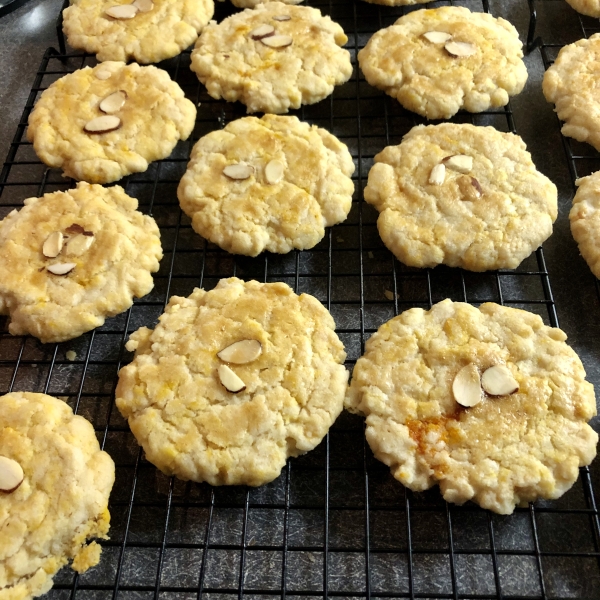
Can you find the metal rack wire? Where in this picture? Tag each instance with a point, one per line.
(582, 159)
(335, 524)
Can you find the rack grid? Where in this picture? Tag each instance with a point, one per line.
(335, 523)
(582, 159)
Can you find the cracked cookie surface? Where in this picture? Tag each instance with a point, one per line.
(233, 65)
(108, 270)
(505, 451)
(250, 215)
(492, 223)
(585, 220)
(572, 84)
(185, 419)
(63, 499)
(427, 79)
(162, 32)
(153, 118)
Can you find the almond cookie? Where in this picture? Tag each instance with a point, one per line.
(585, 220)
(70, 259)
(461, 195)
(488, 402)
(591, 8)
(145, 31)
(273, 57)
(54, 488)
(101, 124)
(571, 83)
(233, 381)
(437, 61)
(267, 184)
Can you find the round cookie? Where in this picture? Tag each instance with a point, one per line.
(158, 30)
(461, 195)
(62, 500)
(145, 115)
(271, 62)
(192, 426)
(508, 449)
(585, 220)
(70, 259)
(472, 61)
(571, 83)
(296, 181)
(591, 8)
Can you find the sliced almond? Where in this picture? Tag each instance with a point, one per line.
(262, 31)
(75, 228)
(11, 474)
(61, 268)
(277, 41)
(103, 73)
(113, 103)
(53, 245)
(438, 174)
(231, 382)
(238, 171)
(466, 386)
(122, 11)
(460, 49)
(459, 162)
(103, 124)
(79, 244)
(274, 171)
(143, 5)
(498, 381)
(437, 37)
(242, 352)
(281, 18)
(469, 188)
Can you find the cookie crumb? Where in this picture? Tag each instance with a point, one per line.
(71, 355)
(389, 295)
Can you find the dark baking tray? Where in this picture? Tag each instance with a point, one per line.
(335, 523)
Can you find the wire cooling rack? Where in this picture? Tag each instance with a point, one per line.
(582, 159)
(335, 523)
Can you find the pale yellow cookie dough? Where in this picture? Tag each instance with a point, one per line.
(234, 66)
(154, 117)
(585, 220)
(169, 27)
(62, 501)
(493, 226)
(586, 7)
(109, 270)
(425, 78)
(185, 419)
(505, 451)
(572, 83)
(254, 3)
(251, 215)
